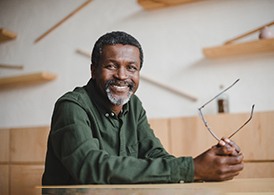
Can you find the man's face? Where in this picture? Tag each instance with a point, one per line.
(117, 74)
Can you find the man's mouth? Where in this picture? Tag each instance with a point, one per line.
(120, 86)
(119, 92)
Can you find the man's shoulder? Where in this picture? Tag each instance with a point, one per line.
(79, 94)
(136, 104)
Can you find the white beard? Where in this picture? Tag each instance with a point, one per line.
(118, 100)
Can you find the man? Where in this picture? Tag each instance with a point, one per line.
(100, 133)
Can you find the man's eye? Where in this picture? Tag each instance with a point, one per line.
(132, 68)
(110, 66)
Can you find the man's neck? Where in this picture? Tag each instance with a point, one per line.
(117, 109)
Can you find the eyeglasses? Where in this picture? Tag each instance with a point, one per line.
(206, 123)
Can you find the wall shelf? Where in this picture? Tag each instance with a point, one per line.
(152, 4)
(34, 78)
(251, 47)
(6, 35)
(232, 48)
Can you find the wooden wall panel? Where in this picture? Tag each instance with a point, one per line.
(161, 130)
(4, 179)
(257, 170)
(255, 139)
(22, 150)
(4, 145)
(28, 144)
(190, 137)
(25, 178)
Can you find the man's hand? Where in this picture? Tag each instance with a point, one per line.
(222, 162)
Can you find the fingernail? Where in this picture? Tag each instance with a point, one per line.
(227, 140)
(222, 143)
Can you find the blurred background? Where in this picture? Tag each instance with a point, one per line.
(173, 39)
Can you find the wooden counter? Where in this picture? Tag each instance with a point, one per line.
(263, 186)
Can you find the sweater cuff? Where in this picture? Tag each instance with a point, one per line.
(182, 170)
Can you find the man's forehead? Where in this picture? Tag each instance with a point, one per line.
(119, 49)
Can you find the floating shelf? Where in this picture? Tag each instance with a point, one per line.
(251, 47)
(231, 48)
(152, 4)
(6, 35)
(26, 79)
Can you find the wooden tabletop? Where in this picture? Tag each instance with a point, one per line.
(255, 186)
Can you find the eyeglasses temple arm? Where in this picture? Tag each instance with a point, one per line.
(219, 94)
(206, 125)
(251, 114)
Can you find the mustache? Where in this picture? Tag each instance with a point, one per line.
(130, 84)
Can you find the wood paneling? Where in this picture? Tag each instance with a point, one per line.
(28, 144)
(255, 139)
(23, 149)
(161, 130)
(257, 170)
(24, 179)
(190, 137)
(22, 159)
(4, 179)
(4, 145)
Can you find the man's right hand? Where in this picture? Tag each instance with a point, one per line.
(221, 162)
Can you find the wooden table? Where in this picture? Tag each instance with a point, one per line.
(260, 186)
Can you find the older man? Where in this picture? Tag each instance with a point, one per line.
(100, 133)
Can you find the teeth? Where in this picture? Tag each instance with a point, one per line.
(120, 88)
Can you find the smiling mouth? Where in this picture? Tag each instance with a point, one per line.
(120, 87)
(119, 92)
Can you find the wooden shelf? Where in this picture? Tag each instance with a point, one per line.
(152, 4)
(251, 47)
(6, 35)
(26, 79)
(231, 48)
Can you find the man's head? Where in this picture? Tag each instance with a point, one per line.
(113, 38)
(116, 62)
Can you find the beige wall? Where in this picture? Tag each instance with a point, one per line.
(172, 39)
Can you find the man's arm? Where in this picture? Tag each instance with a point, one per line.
(80, 154)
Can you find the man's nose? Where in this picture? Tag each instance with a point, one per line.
(122, 73)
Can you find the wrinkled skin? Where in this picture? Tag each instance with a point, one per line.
(222, 162)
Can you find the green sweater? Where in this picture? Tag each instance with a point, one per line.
(88, 144)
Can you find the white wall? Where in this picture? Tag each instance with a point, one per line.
(172, 40)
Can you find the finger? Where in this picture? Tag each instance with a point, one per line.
(228, 176)
(233, 170)
(234, 160)
(221, 143)
(233, 144)
(227, 173)
(225, 150)
(230, 171)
